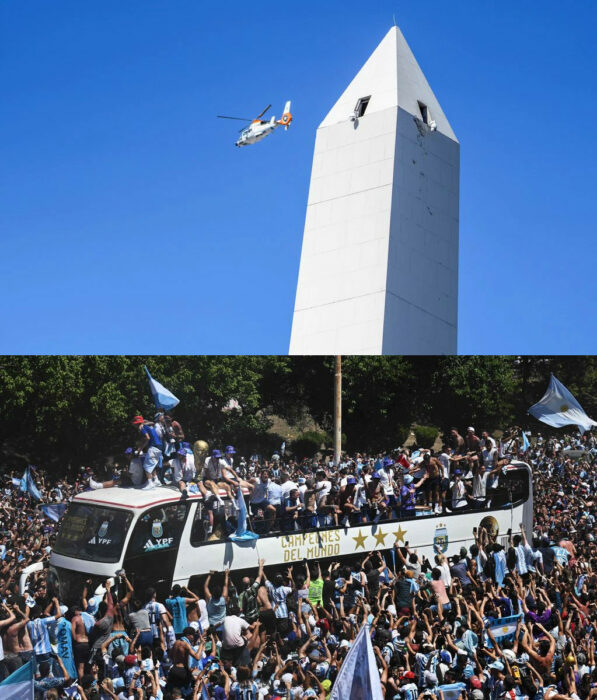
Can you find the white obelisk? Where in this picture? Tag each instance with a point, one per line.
(379, 263)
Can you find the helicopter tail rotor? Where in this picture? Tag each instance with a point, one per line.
(286, 117)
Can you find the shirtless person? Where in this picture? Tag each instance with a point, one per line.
(433, 471)
(267, 617)
(80, 641)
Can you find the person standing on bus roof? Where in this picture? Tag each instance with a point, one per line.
(151, 443)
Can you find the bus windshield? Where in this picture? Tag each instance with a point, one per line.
(93, 532)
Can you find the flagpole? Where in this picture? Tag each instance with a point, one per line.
(338, 411)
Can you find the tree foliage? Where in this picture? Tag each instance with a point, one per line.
(63, 411)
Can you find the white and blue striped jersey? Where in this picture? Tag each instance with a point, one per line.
(39, 633)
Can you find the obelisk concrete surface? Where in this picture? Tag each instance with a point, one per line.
(379, 262)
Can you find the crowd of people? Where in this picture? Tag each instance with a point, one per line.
(492, 622)
(288, 495)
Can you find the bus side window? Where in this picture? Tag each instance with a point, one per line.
(199, 529)
(213, 522)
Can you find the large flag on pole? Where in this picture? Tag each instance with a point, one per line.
(54, 511)
(242, 534)
(28, 485)
(19, 685)
(358, 677)
(162, 397)
(559, 408)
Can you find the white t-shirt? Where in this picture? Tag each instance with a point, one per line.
(445, 462)
(136, 471)
(203, 617)
(320, 495)
(458, 491)
(387, 474)
(287, 487)
(480, 485)
(232, 630)
(183, 471)
(489, 457)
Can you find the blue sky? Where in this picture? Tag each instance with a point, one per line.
(131, 224)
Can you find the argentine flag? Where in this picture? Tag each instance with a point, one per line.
(161, 396)
(27, 484)
(242, 534)
(19, 685)
(559, 408)
(54, 511)
(358, 677)
(525, 442)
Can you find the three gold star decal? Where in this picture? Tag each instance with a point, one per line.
(380, 537)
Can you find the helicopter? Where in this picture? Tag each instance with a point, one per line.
(260, 128)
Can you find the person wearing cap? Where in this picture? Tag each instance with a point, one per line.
(347, 500)
(472, 442)
(183, 471)
(408, 507)
(150, 443)
(213, 476)
(229, 453)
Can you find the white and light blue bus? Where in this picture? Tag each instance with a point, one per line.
(161, 539)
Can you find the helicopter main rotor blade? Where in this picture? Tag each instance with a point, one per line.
(240, 119)
(262, 113)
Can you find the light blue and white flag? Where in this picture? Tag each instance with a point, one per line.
(283, 448)
(16, 481)
(242, 534)
(358, 677)
(54, 511)
(451, 691)
(525, 442)
(162, 397)
(27, 484)
(559, 408)
(503, 629)
(19, 685)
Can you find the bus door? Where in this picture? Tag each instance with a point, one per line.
(151, 554)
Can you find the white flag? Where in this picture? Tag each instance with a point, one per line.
(559, 408)
(358, 678)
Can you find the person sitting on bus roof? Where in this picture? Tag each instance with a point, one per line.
(183, 471)
(214, 478)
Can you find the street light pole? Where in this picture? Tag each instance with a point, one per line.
(338, 411)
